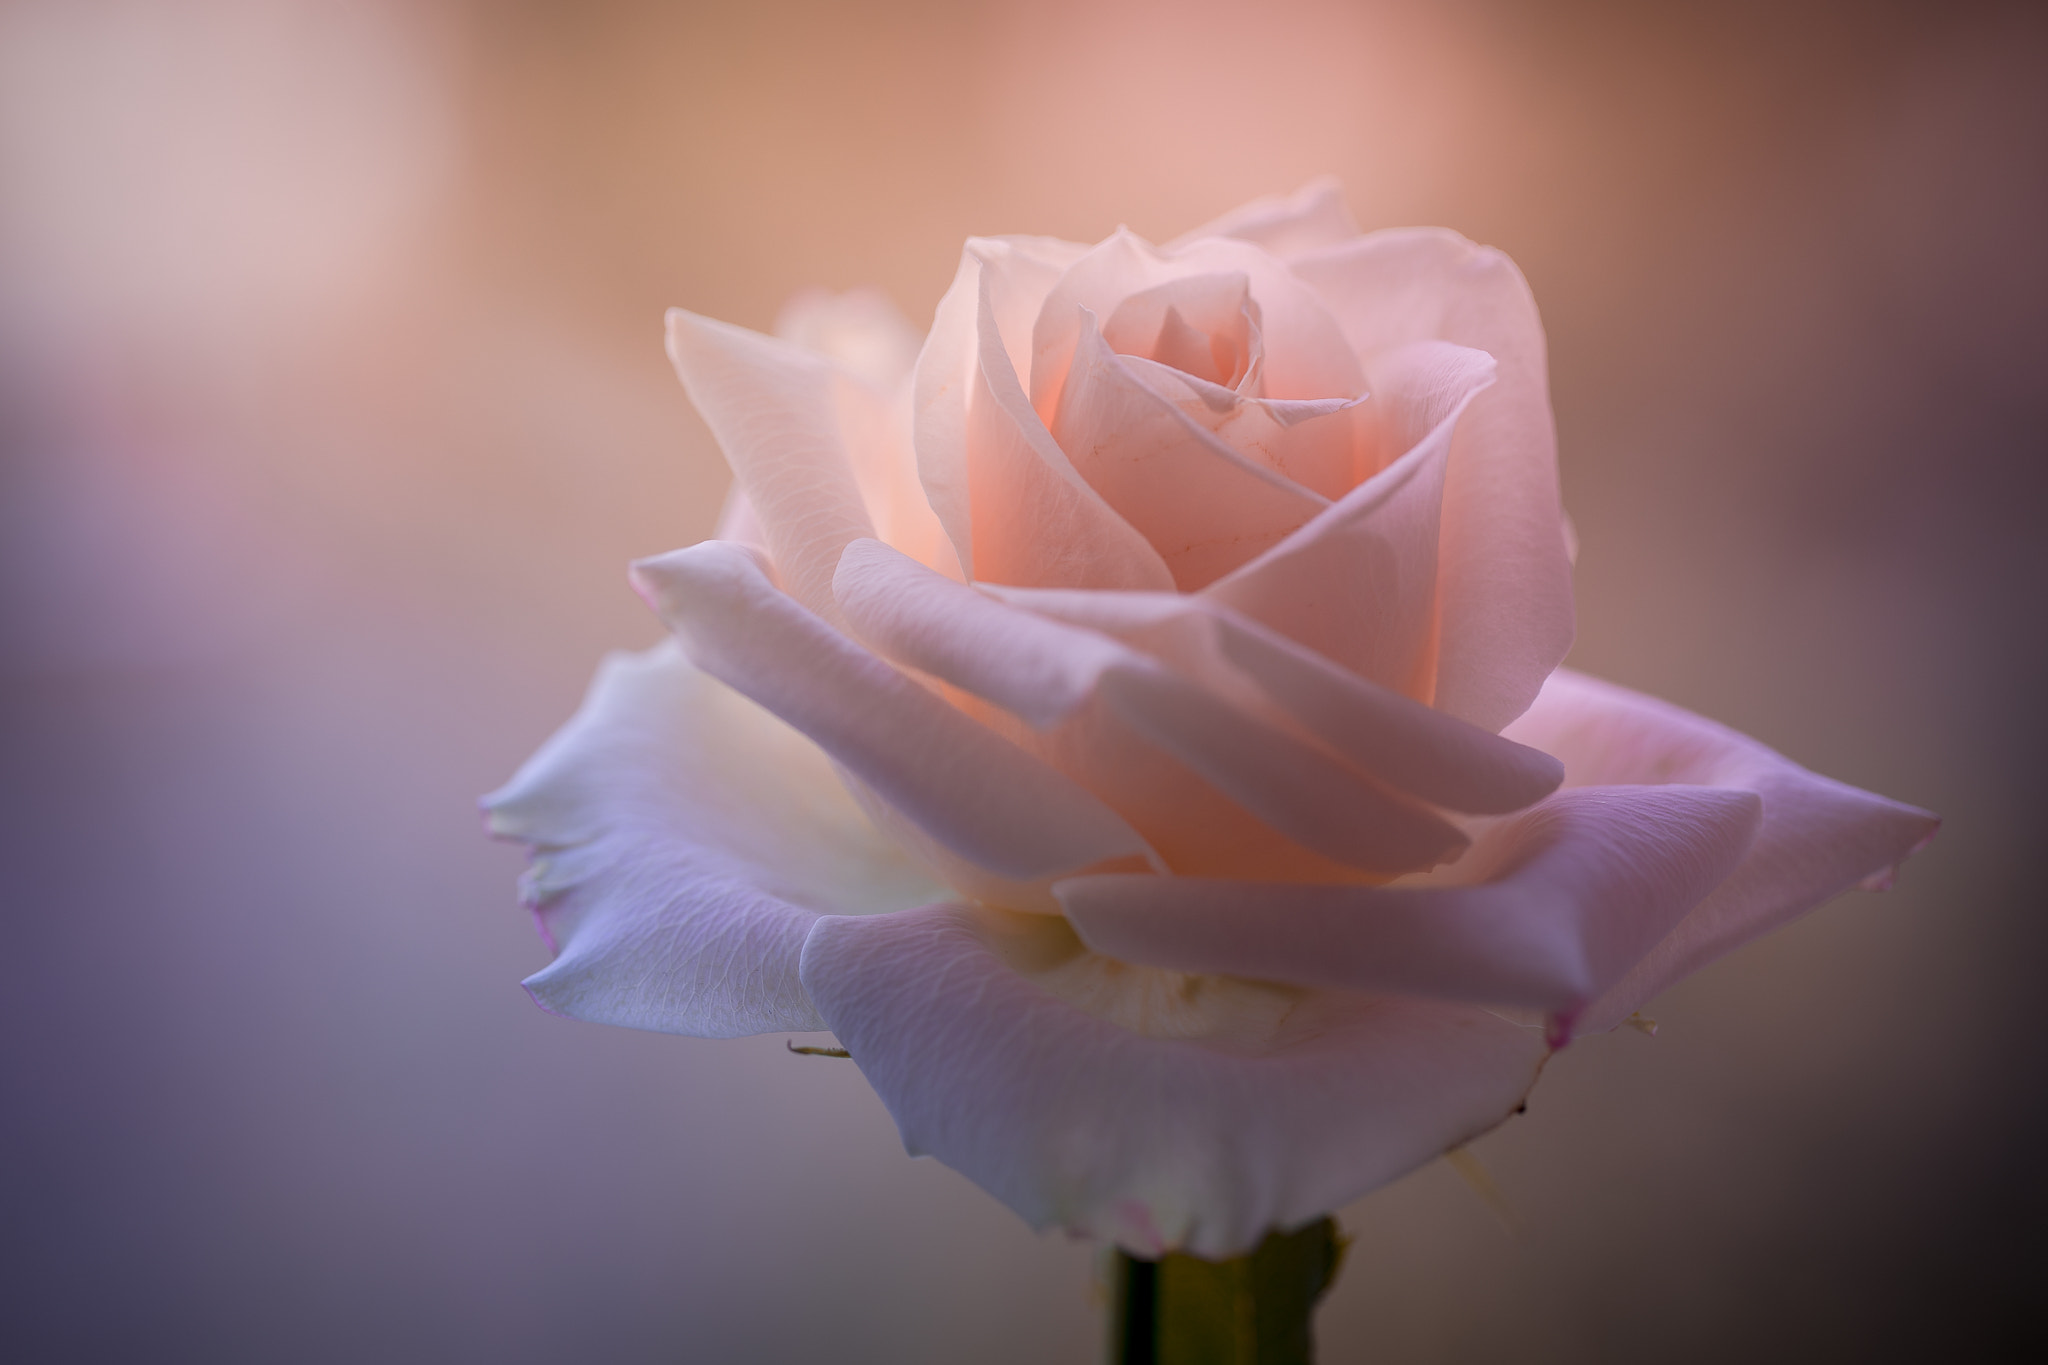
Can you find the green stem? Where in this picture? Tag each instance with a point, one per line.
(1254, 1310)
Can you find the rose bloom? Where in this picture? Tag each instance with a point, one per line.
(1131, 721)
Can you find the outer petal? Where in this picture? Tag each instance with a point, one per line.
(775, 413)
(683, 842)
(1819, 837)
(1154, 1143)
(1505, 574)
(1567, 897)
(1359, 583)
(1311, 218)
(972, 791)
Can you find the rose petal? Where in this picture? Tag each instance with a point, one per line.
(1409, 746)
(968, 788)
(1568, 897)
(1359, 583)
(1306, 356)
(1203, 507)
(1317, 444)
(1819, 837)
(1044, 671)
(948, 367)
(1312, 217)
(872, 348)
(683, 842)
(1036, 520)
(1204, 325)
(1152, 1143)
(1036, 669)
(775, 414)
(1305, 351)
(1504, 576)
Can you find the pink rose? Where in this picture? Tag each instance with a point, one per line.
(1132, 723)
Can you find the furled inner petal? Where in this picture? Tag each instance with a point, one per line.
(1505, 575)
(1359, 583)
(1565, 898)
(1304, 354)
(1036, 521)
(1326, 445)
(1203, 325)
(1819, 837)
(1044, 671)
(968, 788)
(683, 842)
(948, 368)
(1203, 507)
(1155, 1143)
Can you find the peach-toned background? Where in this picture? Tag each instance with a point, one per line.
(332, 404)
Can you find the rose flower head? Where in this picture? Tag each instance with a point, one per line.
(1131, 720)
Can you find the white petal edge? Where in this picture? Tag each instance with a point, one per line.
(683, 843)
(1151, 1143)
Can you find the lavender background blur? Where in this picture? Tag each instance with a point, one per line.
(332, 404)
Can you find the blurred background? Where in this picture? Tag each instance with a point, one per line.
(332, 405)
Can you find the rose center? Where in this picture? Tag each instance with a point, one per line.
(1206, 326)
